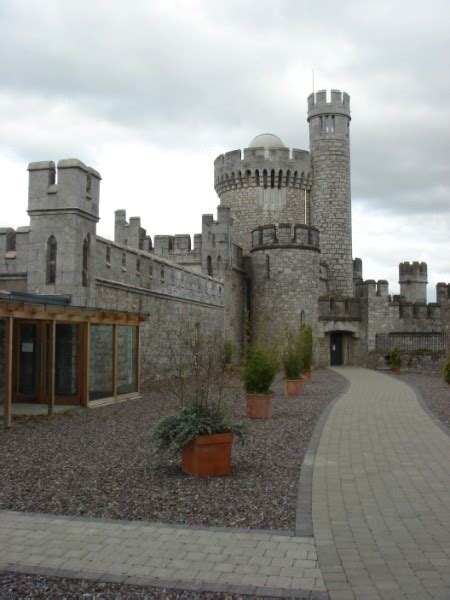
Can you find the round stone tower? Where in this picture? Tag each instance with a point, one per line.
(285, 280)
(330, 198)
(269, 183)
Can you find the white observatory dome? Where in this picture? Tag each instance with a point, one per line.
(266, 140)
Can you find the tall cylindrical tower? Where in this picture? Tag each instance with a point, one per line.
(285, 280)
(269, 183)
(330, 196)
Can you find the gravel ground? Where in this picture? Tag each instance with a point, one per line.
(102, 463)
(15, 586)
(434, 391)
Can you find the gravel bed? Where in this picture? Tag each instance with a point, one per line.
(434, 391)
(15, 586)
(102, 463)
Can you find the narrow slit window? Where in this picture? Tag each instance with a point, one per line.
(85, 261)
(267, 267)
(209, 266)
(51, 259)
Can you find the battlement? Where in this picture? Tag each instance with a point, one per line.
(443, 292)
(318, 105)
(131, 233)
(285, 235)
(262, 167)
(416, 271)
(70, 185)
(339, 309)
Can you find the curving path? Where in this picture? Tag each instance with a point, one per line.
(381, 494)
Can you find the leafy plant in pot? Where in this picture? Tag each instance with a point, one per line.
(395, 360)
(446, 371)
(306, 345)
(292, 363)
(203, 428)
(260, 368)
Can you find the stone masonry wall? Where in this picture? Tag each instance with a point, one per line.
(331, 210)
(248, 212)
(284, 292)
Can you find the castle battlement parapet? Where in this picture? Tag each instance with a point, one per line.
(443, 292)
(339, 309)
(318, 104)
(285, 235)
(277, 168)
(415, 271)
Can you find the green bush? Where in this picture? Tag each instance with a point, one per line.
(306, 336)
(293, 355)
(174, 432)
(447, 370)
(229, 350)
(260, 368)
(395, 358)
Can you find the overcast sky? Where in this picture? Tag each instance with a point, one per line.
(149, 92)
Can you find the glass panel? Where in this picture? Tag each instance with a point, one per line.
(27, 359)
(2, 360)
(100, 362)
(66, 359)
(126, 359)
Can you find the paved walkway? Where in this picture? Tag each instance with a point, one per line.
(152, 554)
(381, 494)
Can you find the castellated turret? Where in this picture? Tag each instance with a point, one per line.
(269, 183)
(331, 197)
(63, 205)
(413, 279)
(285, 279)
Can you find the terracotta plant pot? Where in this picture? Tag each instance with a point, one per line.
(395, 370)
(306, 376)
(258, 406)
(208, 455)
(293, 387)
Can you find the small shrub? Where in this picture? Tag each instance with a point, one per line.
(260, 368)
(446, 371)
(395, 358)
(306, 347)
(229, 350)
(174, 432)
(293, 355)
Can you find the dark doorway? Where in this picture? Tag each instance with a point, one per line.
(336, 349)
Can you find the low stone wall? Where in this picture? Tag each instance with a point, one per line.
(420, 361)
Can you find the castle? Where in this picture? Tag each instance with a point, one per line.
(280, 251)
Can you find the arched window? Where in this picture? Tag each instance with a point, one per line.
(280, 179)
(163, 275)
(288, 177)
(108, 256)
(51, 259)
(257, 177)
(267, 267)
(138, 266)
(150, 270)
(85, 260)
(248, 174)
(272, 178)
(265, 178)
(124, 261)
(209, 267)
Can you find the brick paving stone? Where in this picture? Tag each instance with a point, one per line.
(381, 493)
(91, 548)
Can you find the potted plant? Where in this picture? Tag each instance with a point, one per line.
(306, 344)
(202, 429)
(446, 371)
(260, 368)
(395, 360)
(292, 364)
(229, 350)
